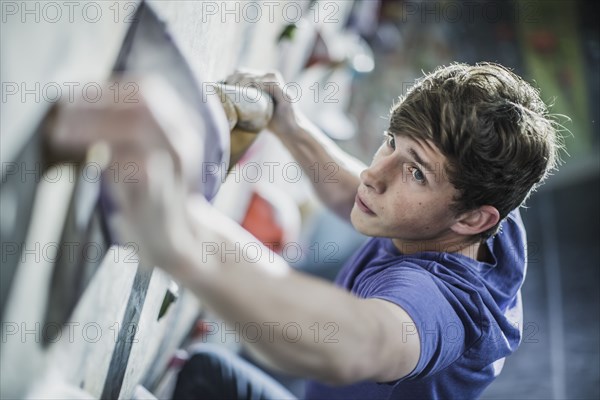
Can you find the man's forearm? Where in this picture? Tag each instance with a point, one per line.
(333, 173)
(297, 323)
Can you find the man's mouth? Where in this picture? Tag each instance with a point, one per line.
(362, 206)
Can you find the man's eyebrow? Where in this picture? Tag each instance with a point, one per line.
(419, 160)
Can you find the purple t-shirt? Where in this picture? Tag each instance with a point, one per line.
(467, 313)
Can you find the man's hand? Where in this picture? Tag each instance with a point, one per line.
(335, 174)
(132, 127)
(287, 120)
(152, 152)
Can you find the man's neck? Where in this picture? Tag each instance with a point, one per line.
(473, 250)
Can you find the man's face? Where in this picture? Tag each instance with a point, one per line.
(405, 195)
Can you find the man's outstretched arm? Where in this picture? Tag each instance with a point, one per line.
(333, 172)
(294, 322)
(340, 339)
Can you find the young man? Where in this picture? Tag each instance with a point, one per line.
(430, 306)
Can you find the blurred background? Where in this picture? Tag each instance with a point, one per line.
(347, 61)
(554, 45)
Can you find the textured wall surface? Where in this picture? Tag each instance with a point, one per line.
(109, 337)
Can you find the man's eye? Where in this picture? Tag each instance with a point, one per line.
(391, 142)
(418, 175)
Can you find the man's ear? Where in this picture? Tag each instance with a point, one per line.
(476, 221)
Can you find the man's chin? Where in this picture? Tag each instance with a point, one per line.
(359, 225)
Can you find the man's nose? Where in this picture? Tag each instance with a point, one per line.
(375, 177)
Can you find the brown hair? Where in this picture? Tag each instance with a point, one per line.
(492, 127)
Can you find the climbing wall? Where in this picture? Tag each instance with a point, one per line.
(80, 317)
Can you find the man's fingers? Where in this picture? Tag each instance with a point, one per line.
(155, 118)
(247, 77)
(270, 82)
(243, 75)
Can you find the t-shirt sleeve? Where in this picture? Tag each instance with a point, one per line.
(438, 313)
